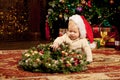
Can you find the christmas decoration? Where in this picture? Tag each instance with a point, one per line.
(43, 59)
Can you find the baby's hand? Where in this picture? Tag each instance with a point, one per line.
(55, 46)
(89, 61)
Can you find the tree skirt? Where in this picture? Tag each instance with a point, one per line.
(106, 65)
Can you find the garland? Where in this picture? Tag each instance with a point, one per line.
(43, 59)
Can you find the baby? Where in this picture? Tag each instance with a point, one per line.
(75, 36)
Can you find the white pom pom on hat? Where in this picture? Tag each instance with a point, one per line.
(79, 22)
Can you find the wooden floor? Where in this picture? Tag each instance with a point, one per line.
(20, 44)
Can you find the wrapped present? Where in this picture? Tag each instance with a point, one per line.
(97, 30)
(106, 35)
(110, 39)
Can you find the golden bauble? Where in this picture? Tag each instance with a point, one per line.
(83, 1)
(63, 1)
(60, 15)
(111, 1)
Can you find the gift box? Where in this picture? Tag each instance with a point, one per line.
(97, 30)
(108, 37)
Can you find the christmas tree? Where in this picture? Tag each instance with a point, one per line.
(102, 13)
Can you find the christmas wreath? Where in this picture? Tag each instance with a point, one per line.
(43, 59)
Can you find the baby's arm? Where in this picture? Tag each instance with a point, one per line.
(58, 41)
(87, 50)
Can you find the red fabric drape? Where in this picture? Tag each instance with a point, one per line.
(47, 31)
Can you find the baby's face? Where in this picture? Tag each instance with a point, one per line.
(73, 31)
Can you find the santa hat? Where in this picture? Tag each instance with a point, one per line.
(84, 26)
